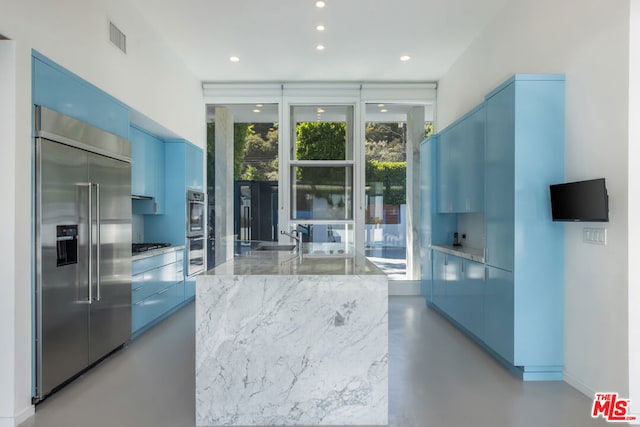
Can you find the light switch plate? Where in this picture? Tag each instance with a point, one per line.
(594, 235)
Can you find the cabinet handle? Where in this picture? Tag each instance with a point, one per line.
(138, 288)
(163, 291)
(139, 302)
(445, 260)
(486, 274)
(462, 266)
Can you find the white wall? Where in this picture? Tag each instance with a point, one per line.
(634, 207)
(150, 78)
(7, 236)
(589, 42)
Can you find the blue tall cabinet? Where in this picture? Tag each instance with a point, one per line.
(524, 297)
(512, 303)
(183, 171)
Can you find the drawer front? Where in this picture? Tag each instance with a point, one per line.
(137, 288)
(153, 281)
(151, 308)
(150, 263)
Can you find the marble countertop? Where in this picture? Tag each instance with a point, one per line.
(471, 254)
(270, 263)
(155, 252)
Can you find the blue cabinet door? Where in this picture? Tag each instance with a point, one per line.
(499, 312)
(438, 296)
(454, 287)
(155, 173)
(443, 148)
(147, 171)
(194, 167)
(137, 165)
(472, 298)
(471, 167)
(457, 147)
(499, 178)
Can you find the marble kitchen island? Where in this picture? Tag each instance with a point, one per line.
(283, 341)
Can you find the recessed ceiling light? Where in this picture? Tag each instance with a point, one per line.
(320, 110)
(320, 47)
(320, 3)
(320, 28)
(380, 105)
(384, 110)
(256, 111)
(258, 105)
(405, 58)
(234, 59)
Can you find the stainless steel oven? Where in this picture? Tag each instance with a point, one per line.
(195, 255)
(195, 213)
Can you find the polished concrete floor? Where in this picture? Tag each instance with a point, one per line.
(437, 378)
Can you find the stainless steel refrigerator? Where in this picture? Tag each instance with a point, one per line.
(83, 247)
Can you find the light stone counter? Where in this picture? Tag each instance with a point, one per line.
(281, 341)
(466, 252)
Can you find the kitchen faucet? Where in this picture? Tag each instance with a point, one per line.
(297, 237)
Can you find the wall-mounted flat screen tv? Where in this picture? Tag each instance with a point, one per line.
(580, 201)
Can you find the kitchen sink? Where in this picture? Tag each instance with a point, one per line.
(275, 247)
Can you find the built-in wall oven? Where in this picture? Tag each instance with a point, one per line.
(195, 232)
(195, 213)
(195, 255)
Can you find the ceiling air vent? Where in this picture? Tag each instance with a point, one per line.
(117, 37)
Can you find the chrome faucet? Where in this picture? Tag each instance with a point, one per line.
(297, 237)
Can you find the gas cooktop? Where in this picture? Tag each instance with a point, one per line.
(137, 248)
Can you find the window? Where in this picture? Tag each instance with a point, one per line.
(321, 173)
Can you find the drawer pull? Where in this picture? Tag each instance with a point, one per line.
(138, 288)
(139, 302)
(163, 291)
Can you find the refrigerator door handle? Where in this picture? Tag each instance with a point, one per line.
(98, 257)
(90, 241)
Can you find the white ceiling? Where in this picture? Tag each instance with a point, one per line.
(275, 40)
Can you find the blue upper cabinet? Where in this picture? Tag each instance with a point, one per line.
(443, 184)
(61, 90)
(183, 170)
(471, 195)
(194, 171)
(460, 163)
(147, 172)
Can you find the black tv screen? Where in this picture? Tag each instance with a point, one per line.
(580, 201)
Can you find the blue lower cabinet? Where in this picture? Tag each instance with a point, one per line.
(460, 294)
(148, 310)
(498, 312)
(439, 288)
(454, 286)
(157, 287)
(470, 298)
